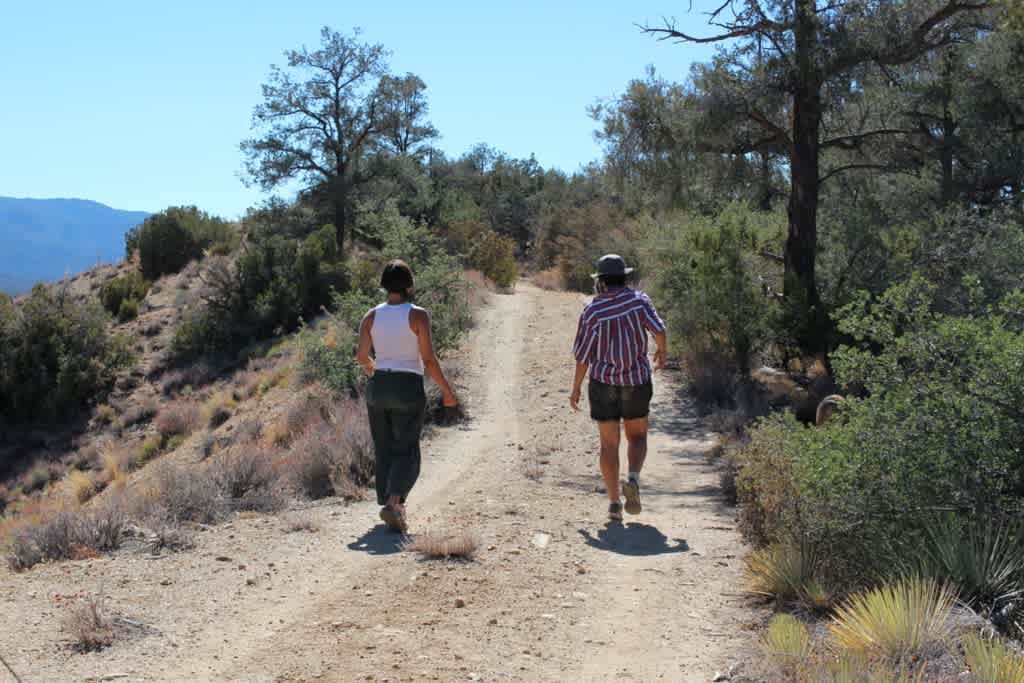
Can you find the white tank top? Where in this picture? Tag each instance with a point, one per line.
(394, 343)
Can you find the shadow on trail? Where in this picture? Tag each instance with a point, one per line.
(635, 539)
(378, 541)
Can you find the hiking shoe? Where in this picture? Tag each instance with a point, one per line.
(615, 511)
(631, 490)
(394, 519)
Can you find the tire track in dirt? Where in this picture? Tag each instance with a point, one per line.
(556, 594)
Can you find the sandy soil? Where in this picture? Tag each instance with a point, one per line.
(556, 593)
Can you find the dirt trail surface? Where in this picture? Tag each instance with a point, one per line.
(556, 593)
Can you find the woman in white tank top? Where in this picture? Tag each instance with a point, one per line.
(399, 337)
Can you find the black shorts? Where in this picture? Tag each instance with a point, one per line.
(613, 402)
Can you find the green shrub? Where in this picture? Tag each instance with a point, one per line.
(167, 241)
(273, 286)
(328, 357)
(164, 243)
(493, 254)
(56, 356)
(115, 292)
(128, 310)
(766, 490)
(711, 283)
(328, 352)
(150, 448)
(940, 428)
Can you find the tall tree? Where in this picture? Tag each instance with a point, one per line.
(402, 111)
(815, 54)
(318, 116)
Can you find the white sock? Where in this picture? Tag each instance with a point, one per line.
(635, 477)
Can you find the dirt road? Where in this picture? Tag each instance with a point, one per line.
(556, 594)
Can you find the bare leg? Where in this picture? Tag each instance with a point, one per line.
(636, 439)
(609, 432)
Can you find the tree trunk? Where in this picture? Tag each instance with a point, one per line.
(948, 130)
(800, 286)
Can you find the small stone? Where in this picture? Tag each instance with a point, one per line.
(581, 570)
(720, 676)
(493, 622)
(250, 582)
(460, 603)
(541, 540)
(222, 558)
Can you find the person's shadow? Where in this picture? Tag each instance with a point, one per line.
(633, 539)
(378, 541)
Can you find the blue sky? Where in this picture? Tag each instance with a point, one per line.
(141, 105)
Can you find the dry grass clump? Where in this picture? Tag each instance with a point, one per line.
(105, 414)
(332, 457)
(434, 545)
(296, 522)
(249, 481)
(80, 486)
(218, 409)
(177, 419)
(186, 380)
(189, 494)
(68, 534)
(137, 414)
(117, 461)
(89, 624)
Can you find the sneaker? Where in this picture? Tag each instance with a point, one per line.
(615, 511)
(394, 519)
(631, 490)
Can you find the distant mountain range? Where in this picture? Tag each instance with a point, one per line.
(46, 239)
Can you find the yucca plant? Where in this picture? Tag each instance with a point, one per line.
(785, 571)
(786, 642)
(993, 662)
(897, 620)
(984, 558)
(850, 668)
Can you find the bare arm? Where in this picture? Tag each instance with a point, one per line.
(577, 384)
(365, 344)
(661, 340)
(431, 366)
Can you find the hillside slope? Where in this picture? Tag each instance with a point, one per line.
(45, 239)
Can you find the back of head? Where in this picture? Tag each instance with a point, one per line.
(397, 277)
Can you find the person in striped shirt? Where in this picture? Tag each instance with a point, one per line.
(611, 342)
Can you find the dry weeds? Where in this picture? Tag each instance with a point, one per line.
(89, 624)
(435, 545)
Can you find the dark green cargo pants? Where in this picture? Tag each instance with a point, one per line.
(396, 404)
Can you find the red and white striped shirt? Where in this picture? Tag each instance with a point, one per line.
(612, 337)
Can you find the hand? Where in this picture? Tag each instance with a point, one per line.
(449, 399)
(574, 399)
(369, 368)
(659, 359)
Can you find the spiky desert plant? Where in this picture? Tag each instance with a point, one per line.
(983, 557)
(993, 662)
(787, 641)
(785, 571)
(896, 620)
